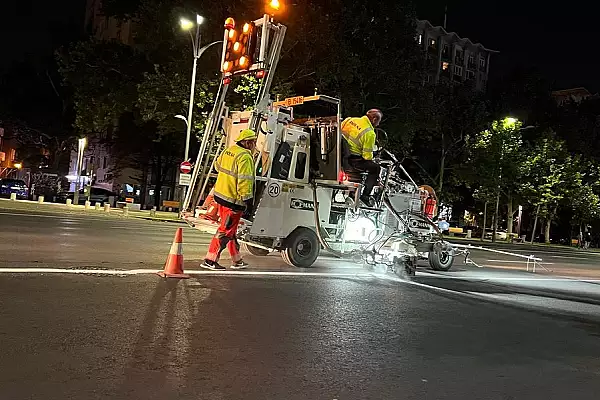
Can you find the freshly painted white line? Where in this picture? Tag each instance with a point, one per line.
(515, 262)
(154, 271)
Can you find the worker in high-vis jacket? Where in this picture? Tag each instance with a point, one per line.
(360, 136)
(234, 192)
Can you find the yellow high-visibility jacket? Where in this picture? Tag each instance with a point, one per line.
(360, 135)
(235, 181)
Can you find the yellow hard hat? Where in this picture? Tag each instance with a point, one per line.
(246, 134)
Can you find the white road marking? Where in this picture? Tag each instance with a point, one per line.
(571, 257)
(515, 262)
(505, 278)
(154, 271)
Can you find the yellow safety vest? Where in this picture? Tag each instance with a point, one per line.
(235, 181)
(360, 135)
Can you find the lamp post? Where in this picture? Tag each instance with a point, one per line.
(81, 147)
(187, 25)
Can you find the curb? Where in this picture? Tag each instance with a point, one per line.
(173, 221)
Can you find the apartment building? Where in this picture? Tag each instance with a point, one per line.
(452, 59)
(576, 95)
(106, 28)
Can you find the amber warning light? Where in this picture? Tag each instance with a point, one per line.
(239, 47)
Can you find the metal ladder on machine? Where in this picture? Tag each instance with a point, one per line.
(212, 145)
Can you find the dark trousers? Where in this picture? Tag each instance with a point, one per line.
(370, 167)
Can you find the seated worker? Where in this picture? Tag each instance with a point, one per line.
(360, 135)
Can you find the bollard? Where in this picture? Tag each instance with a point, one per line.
(69, 202)
(107, 207)
(13, 196)
(97, 206)
(153, 212)
(126, 211)
(88, 204)
(41, 199)
(469, 233)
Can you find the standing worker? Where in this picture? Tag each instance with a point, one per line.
(360, 135)
(233, 192)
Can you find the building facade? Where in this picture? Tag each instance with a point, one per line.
(106, 28)
(575, 95)
(452, 59)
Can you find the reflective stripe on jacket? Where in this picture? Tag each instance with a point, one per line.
(235, 182)
(360, 135)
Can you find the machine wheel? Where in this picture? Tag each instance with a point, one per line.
(302, 248)
(441, 261)
(255, 251)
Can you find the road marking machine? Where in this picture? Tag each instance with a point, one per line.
(306, 194)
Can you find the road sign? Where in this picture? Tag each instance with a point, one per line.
(185, 167)
(185, 179)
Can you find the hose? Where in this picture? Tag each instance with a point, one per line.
(318, 225)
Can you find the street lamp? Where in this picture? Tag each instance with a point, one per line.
(81, 147)
(187, 25)
(198, 51)
(181, 117)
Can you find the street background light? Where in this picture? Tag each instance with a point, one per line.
(181, 117)
(82, 142)
(187, 25)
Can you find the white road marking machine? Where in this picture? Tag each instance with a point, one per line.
(306, 195)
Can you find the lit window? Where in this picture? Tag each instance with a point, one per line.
(432, 42)
(444, 66)
(420, 39)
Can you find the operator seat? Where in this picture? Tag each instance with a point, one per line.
(352, 173)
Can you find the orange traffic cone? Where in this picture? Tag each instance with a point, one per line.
(174, 264)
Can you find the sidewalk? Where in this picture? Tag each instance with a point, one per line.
(33, 206)
(526, 245)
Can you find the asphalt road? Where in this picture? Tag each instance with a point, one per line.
(335, 331)
(74, 337)
(62, 240)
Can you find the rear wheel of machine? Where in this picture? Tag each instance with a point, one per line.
(441, 261)
(302, 248)
(255, 251)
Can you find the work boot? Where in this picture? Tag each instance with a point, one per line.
(212, 265)
(240, 265)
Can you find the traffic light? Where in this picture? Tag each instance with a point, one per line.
(239, 47)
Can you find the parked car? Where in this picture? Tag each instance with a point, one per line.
(500, 234)
(9, 186)
(97, 195)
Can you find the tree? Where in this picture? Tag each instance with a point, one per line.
(553, 176)
(439, 147)
(135, 91)
(495, 163)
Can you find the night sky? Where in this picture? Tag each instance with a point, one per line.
(560, 38)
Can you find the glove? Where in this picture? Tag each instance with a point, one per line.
(248, 211)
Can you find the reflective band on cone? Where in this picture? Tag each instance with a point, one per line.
(174, 264)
